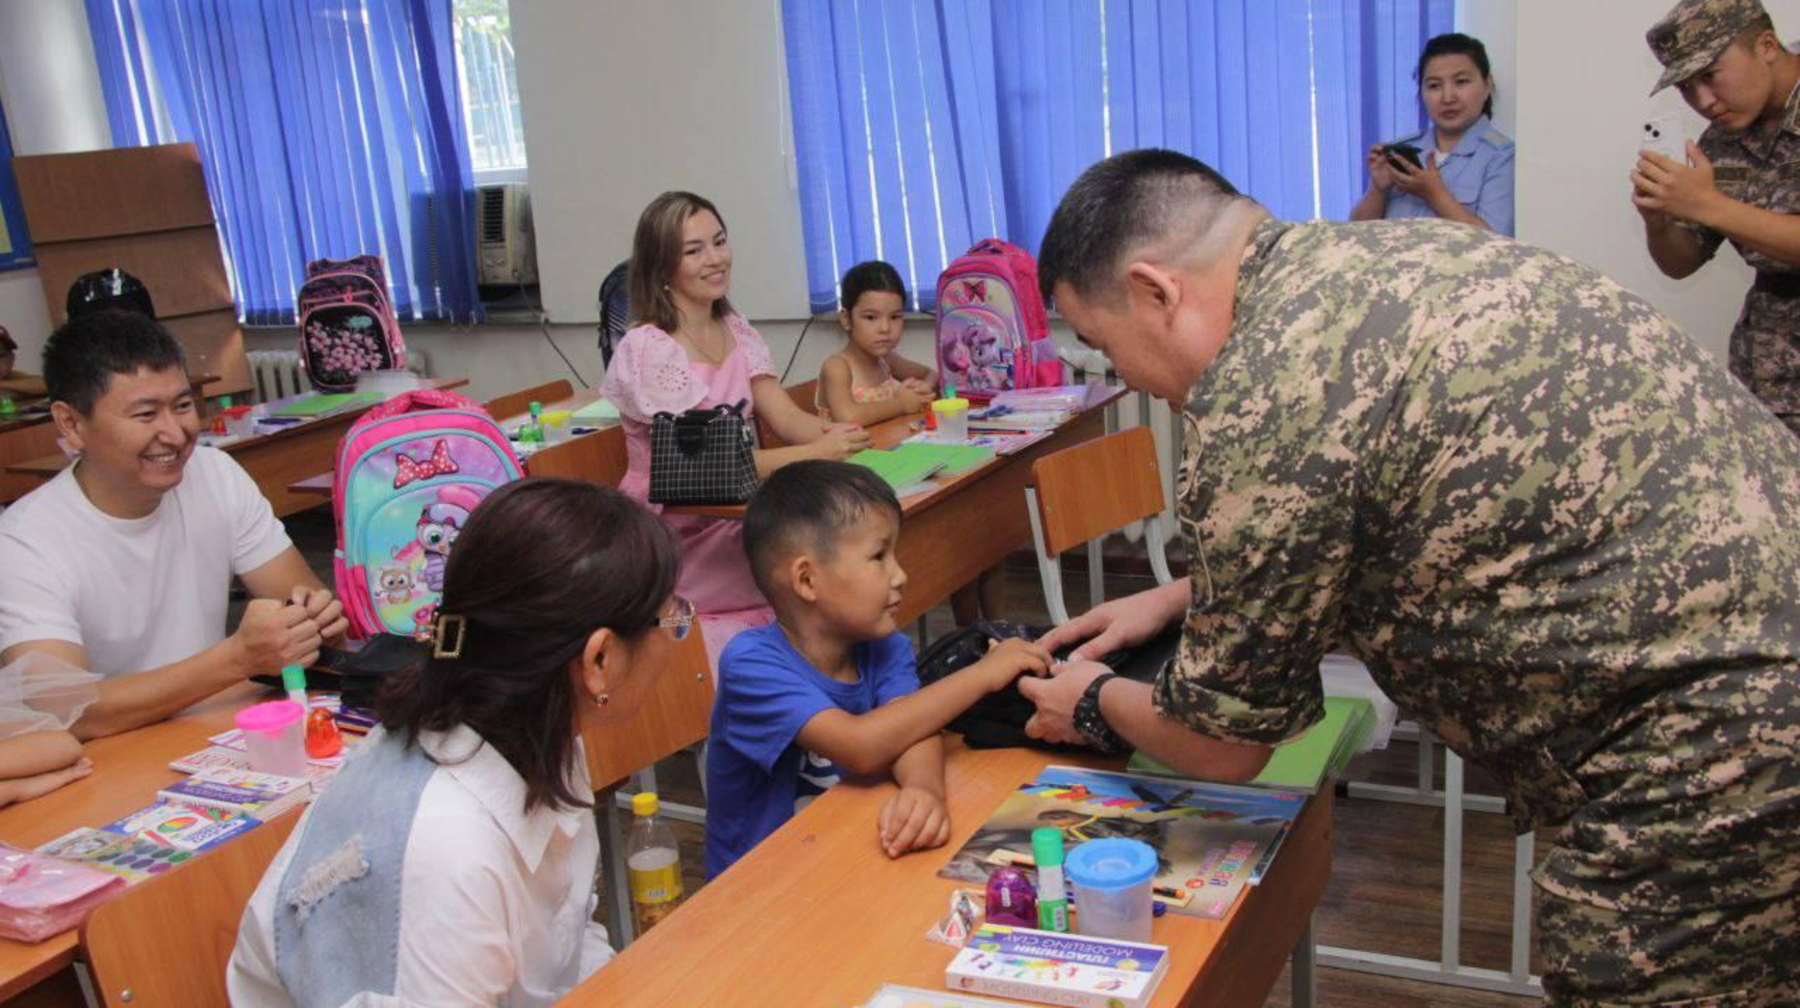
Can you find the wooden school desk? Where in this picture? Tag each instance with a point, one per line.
(273, 460)
(817, 917)
(597, 457)
(965, 525)
(129, 769)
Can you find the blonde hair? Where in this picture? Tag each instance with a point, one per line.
(656, 252)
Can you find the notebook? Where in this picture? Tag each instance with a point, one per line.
(320, 405)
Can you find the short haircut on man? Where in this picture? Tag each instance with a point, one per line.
(1124, 204)
(807, 506)
(84, 353)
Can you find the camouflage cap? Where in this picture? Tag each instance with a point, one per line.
(1695, 32)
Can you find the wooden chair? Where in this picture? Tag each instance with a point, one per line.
(166, 942)
(676, 715)
(804, 396)
(514, 403)
(1080, 494)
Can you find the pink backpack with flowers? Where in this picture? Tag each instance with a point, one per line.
(347, 323)
(408, 473)
(992, 331)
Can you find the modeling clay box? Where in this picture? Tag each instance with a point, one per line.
(1059, 969)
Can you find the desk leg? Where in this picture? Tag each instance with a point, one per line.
(618, 877)
(1302, 969)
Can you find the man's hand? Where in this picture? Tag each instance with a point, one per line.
(913, 819)
(1112, 626)
(1686, 191)
(1056, 698)
(326, 612)
(1009, 659)
(273, 634)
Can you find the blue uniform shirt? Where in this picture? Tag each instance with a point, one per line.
(757, 774)
(1478, 172)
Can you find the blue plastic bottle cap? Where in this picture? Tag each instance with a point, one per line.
(1112, 863)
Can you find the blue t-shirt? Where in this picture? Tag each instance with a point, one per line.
(757, 775)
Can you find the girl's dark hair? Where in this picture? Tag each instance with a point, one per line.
(873, 276)
(1458, 44)
(541, 565)
(656, 252)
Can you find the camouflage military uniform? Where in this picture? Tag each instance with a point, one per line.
(1757, 166)
(1763, 170)
(1562, 539)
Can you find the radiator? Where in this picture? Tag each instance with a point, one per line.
(277, 373)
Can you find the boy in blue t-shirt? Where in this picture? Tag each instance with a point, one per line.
(831, 689)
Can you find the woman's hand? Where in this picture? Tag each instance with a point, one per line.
(1381, 174)
(1426, 183)
(840, 441)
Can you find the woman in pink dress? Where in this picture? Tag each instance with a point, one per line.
(690, 349)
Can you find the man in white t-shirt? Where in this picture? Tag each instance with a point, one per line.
(122, 564)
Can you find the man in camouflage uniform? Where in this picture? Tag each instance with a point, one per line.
(1559, 535)
(1743, 184)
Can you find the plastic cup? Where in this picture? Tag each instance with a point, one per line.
(275, 737)
(952, 418)
(556, 425)
(1111, 881)
(238, 421)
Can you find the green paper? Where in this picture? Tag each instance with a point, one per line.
(322, 403)
(599, 409)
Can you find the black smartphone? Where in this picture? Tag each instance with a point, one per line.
(1395, 151)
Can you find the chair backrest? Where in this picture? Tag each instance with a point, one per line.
(1091, 489)
(615, 309)
(514, 403)
(165, 943)
(676, 715)
(805, 396)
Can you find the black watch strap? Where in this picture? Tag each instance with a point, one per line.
(1091, 723)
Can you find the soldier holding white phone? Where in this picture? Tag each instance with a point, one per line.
(1740, 183)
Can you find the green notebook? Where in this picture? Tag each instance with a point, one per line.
(599, 409)
(323, 403)
(1300, 765)
(899, 469)
(956, 459)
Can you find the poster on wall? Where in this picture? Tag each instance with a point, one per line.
(15, 245)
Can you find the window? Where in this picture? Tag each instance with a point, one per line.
(490, 90)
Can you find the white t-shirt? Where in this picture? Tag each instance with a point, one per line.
(137, 593)
(496, 905)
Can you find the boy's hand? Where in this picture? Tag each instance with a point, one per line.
(1009, 659)
(913, 818)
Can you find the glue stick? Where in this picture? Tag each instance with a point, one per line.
(1052, 901)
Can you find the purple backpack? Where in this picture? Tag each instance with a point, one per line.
(347, 323)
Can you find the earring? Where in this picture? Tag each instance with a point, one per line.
(600, 700)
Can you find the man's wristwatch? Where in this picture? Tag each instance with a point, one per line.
(1092, 724)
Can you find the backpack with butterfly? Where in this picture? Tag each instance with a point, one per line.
(408, 473)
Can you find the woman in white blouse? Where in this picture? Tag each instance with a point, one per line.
(452, 860)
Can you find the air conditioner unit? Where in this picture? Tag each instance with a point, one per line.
(505, 246)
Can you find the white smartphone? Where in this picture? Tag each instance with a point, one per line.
(1665, 136)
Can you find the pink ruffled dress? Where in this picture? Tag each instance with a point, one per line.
(651, 374)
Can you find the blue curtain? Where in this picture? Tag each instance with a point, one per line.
(923, 125)
(15, 243)
(328, 128)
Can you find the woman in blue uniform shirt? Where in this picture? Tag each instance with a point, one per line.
(1468, 164)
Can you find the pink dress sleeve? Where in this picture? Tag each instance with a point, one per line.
(750, 343)
(650, 375)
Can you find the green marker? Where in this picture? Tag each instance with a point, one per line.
(1052, 901)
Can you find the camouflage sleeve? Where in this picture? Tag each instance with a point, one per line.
(1266, 521)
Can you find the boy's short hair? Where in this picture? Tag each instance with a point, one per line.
(808, 505)
(84, 353)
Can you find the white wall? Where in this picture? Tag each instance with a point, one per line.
(1585, 71)
(51, 90)
(1495, 23)
(623, 100)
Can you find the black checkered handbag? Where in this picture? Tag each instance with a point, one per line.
(702, 456)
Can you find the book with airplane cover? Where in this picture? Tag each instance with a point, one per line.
(1209, 838)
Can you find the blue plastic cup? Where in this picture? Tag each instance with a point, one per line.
(1111, 879)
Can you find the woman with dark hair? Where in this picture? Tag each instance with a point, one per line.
(688, 348)
(452, 859)
(1461, 167)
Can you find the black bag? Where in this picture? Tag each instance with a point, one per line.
(702, 456)
(358, 675)
(998, 719)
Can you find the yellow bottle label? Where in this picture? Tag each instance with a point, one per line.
(656, 885)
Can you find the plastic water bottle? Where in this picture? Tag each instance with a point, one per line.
(653, 860)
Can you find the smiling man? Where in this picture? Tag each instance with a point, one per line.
(122, 563)
(1561, 538)
(1740, 185)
